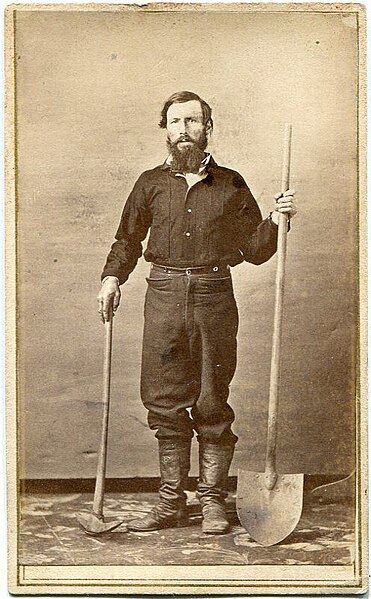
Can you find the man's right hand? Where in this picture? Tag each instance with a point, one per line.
(108, 297)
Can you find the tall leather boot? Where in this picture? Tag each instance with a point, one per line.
(171, 510)
(212, 489)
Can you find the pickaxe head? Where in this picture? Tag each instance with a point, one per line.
(94, 525)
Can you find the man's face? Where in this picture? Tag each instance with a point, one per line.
(185, 125)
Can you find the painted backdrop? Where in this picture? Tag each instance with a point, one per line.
(90, 87)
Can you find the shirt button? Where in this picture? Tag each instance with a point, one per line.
(189, 210)
(188, 234)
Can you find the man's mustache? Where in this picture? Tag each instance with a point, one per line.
(184, 138)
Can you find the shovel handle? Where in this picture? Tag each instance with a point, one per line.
(102, 451)
(270, 462)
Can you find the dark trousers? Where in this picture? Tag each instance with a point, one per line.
(189, 355)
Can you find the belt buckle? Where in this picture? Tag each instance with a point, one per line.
(188, 271)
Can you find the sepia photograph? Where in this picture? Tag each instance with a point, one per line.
(186, 289)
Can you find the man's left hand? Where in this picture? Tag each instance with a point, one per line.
(285, 204)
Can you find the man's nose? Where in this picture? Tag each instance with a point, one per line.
(182, 127)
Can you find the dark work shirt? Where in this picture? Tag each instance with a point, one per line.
(215, 222)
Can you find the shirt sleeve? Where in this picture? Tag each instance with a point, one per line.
(258, 237)
(133, 228)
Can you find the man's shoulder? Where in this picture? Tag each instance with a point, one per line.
(156, 170)
(230, 174)
(151, 175)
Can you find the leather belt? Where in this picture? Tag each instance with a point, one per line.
(193, 270)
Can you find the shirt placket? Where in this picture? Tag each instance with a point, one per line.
(189, 226)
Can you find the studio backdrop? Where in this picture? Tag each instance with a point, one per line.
(89, 90)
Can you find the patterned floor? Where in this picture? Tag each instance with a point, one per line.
(50, 534)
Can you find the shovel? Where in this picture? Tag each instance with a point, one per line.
(269, 504)
(94, 522)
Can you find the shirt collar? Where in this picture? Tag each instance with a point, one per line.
(206, 162)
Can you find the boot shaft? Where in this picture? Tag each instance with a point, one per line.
(215, 461)
(174, 461)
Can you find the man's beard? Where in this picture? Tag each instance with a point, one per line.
(187, 159)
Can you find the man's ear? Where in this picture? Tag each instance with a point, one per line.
(208, 128)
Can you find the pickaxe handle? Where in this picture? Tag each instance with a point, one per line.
(270, 462)
(102, 452)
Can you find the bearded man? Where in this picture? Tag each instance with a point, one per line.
(203, 220)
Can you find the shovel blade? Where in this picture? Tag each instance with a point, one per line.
(269, 516)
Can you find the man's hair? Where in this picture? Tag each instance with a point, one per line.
(179, 98)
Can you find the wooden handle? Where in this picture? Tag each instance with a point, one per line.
(102, 452)
(285, 179)
(270, 463)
